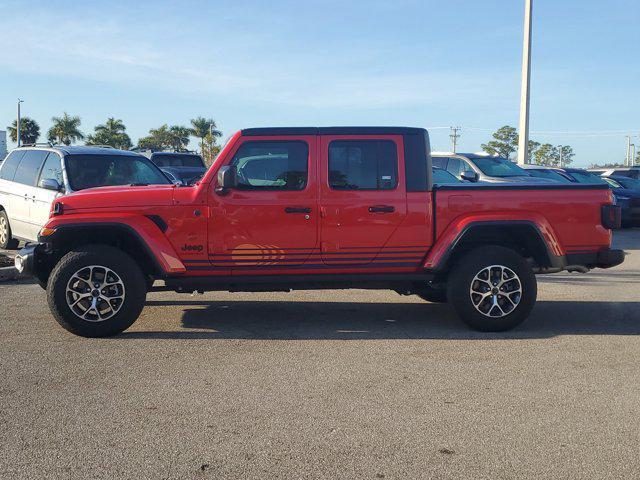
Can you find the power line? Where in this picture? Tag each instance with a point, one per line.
(454, 138)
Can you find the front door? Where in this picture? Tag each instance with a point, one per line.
(362, 196)
(41, 204)
(269, 223)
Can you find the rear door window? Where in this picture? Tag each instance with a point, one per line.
(440, 162)
(29, 168)
(10, 164)
(456, 167)
(363, 165)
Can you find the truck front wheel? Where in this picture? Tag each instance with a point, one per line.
(492, 289)
(96, 291)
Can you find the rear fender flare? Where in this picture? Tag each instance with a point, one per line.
(456, 232)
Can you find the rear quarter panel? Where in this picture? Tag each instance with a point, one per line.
(568, 218)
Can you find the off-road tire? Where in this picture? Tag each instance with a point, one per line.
(460, 286)
(6, 241)
(117, 261)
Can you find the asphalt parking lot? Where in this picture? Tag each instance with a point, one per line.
(338, 384)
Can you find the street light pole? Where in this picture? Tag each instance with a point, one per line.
(523, 140)
(18, 121)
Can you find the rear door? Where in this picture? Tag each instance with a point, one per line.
(362, 196)
(22, 224)
(9, 191)
(270, 221)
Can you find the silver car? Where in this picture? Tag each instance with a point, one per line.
(475, 167)
(32, 177)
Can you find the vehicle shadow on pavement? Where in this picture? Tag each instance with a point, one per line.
(370, 321)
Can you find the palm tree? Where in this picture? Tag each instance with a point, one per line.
(29, 131)
(158, 138)
(201, 127)
(112, 133)
(180, 137)
(65, 129)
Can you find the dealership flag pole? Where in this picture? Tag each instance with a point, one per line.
(523, 140)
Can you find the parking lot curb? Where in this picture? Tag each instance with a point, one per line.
(8, 273)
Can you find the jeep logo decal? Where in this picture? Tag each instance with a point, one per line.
(192, 248)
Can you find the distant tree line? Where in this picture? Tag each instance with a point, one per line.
(65, 130)
(505, 144)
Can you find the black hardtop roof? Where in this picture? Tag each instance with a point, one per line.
(332, 131)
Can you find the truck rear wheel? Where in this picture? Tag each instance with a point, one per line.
(492, 289)
(96, 291)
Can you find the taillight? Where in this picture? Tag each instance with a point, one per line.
(611, 216)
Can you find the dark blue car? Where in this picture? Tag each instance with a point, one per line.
(627, 193)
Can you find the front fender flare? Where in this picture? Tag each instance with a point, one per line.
(146, 231)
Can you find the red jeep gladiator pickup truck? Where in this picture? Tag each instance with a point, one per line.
(318, 208)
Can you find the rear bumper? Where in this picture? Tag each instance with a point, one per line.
(603, 259)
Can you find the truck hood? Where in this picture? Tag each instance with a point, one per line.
(119, 197)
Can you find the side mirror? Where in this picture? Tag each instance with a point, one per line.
(470, 176)
(226, 180)
(50, 184)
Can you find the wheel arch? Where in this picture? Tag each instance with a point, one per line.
(522, 236)
(117, 235)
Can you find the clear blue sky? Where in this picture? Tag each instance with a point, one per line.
(401, 62)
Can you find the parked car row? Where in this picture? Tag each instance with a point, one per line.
(473, 167)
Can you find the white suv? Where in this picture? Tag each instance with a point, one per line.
(32, 177)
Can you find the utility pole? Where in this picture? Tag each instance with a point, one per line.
(18, 121)
(560, 149)
(454, 138)
(627, 158)
(523, 140)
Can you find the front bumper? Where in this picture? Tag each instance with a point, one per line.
(603, 259)
(25, 261)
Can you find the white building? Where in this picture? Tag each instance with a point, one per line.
(3, 144)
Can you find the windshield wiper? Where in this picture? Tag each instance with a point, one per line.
(138, 184)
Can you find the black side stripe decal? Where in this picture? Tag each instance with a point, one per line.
(310, 267)
(294, 260)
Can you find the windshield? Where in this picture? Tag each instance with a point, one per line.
(442, 176)
(547, 173)
(631, 183)
(178, 160)
(185, 177)
(499, 167)
(586, 177)
(88, 171)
